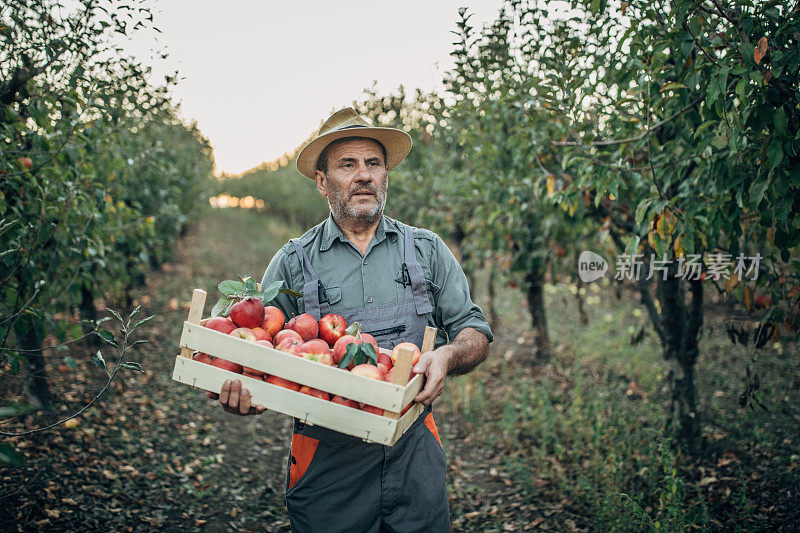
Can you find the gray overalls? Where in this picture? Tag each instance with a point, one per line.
(336, 482)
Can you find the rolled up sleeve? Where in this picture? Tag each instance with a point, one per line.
(454, 310)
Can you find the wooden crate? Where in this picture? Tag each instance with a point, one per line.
(391, 397)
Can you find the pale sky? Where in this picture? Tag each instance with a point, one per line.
(259, 77)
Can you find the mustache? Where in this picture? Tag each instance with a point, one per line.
(373, 192)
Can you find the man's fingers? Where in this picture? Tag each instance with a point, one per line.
(225, 392)
(236, 390)
(260, 409)
(212, 395)
(423, 363)
(244, 402)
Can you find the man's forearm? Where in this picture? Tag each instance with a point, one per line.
(468, 350)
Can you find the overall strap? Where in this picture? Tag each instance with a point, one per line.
(418, 284)
(312, 286)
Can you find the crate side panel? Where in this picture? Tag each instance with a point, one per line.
(312, 410)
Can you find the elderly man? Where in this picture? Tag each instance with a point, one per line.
(395, 280)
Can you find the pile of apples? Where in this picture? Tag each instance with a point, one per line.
(324, 342)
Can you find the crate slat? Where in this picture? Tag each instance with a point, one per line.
(330, 379)
(315, 411)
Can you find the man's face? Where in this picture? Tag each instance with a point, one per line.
(356, 181)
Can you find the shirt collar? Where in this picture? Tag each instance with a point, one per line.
(331, 232)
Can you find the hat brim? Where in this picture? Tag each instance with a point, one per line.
(396, 142)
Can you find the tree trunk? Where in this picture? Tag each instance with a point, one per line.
(535, 296)
(36, 381)
(581, 307)
(88, 311)
(495, 317)
(464, 257)
(681, 327)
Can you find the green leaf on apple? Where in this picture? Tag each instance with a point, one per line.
(292, 293)
(230, 287)
(353, 329)
(250, 284)
(369, 351)
(349, 354)
(269, 293)
(222, 307)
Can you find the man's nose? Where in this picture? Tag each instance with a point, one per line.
(363, 173)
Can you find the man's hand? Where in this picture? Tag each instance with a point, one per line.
(435, 366)
(469, 348)
(235, 399)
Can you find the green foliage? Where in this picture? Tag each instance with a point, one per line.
(115, 175)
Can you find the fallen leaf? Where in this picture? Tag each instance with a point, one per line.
(533, 524)
(707, 481)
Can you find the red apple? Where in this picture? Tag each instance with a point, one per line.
(316, 393)
(331, 328)
(344, 401)
(26, 162)
(286, 334)
(261, 334)
(388, 376)
(383, 370)
(244, 333)
(265, 343)
(411, 345)
(368, 371)
(316, 350)
(227, 365)
(305, 325)
(372, 409)
(249, 313)
(289, 346)
(280, 382)
(386, 360)
(341, 347)
(221, 323)
(203, 358)
(273, 320)
(324, 358)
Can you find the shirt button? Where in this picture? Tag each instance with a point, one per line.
(369, 300)
(364, 262)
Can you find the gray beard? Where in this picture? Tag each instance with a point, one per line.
(342, 212)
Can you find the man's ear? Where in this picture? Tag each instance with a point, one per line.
(320, 177)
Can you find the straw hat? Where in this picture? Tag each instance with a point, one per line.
(347, 123)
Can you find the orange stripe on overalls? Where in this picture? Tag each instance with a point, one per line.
(303, 449)
(432, 426)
